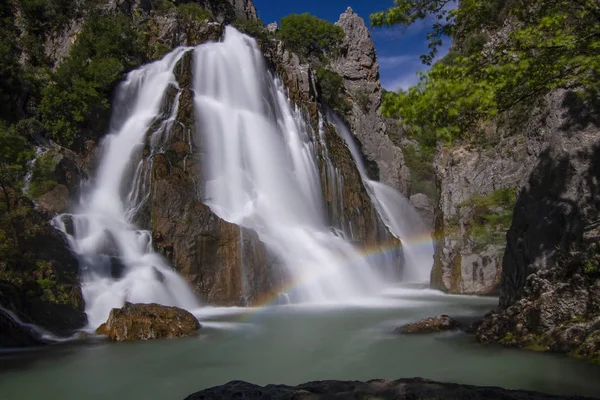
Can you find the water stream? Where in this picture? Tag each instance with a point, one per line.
(262, 171)
(116, 260)
(397, 213)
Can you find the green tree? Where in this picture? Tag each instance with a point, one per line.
(106, 48)
(310, 36)
(545, 44)
(10, 70)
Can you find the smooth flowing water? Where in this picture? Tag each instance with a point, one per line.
(291, 345)
(116, 260)
(261, 171)
(397, 213)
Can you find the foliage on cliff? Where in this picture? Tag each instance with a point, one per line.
(106, 47)
(309, 36)
(506, 53)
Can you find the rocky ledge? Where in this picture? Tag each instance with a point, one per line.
(148, 321)
(441, 323)
(413, 389)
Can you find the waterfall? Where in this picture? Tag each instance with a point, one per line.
(398, 214)
(261, 171)
(117, 262)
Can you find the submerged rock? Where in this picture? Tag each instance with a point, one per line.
(148, 321)
(441, 323)
(413, 389)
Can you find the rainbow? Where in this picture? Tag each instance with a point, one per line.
(372, 252)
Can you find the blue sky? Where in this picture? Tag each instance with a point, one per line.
(398, 51)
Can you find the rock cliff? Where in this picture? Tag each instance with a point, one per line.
(550, 297)
(360, 70)
(477, 189)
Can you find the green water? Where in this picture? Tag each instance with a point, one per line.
(292, 345)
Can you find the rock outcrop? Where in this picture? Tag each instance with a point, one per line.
(14, 333)
(441, 323)
(244, 9)
(360, 70)
(413, 389)
(477, 188)
(38, 278)
(550, 296)
(425, 207)
(226, 264)
(148, 321)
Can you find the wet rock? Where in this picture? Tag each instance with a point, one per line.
(401, 389)
(148, 321)
(14, 334)
(202, 247)
(39, 283)
(441, 323)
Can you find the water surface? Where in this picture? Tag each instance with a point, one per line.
(292, 345)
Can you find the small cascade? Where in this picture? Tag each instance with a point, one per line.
(117, 261)
(398, 215)
(262, 173)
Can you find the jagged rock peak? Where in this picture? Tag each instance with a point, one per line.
(361, 58)
(360, 70)
(244, 9)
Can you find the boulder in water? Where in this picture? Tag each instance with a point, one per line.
(148, 321)
(414, 389)
(441, 323)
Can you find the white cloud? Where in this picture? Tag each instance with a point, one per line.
(394, 61)
(403, 81)
(400, 72)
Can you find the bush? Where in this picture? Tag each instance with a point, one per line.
(310, 36)
(331, 87)
(256, 29)
(361, 97)
(105, 49)
(192, 12)
(42, 176)
(420, 164)
(10, 69)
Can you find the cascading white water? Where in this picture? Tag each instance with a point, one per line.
(398, 214)
(117, 262)
(261, 170)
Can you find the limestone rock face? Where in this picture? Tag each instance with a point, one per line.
(471, 219)
(147, 322)
(226, 264)
(549, 296)
(425, 207)
(360, 70)
(244, 9)
(441, 323)
(401, 389)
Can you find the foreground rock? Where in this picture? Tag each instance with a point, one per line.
(441, 323)
(413, 389)
(148, 321)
